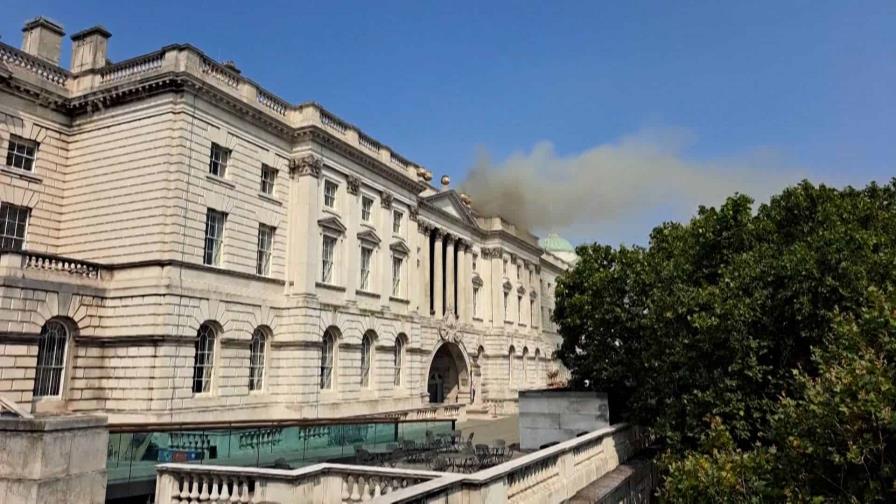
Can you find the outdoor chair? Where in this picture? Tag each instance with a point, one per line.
(500, 448)
(484, 453)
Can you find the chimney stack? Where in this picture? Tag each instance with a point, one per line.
(89, 49)
(43, 38)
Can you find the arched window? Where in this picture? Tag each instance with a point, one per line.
(327, 351)
(50, 359)
(256, 359)
(399, 355)
(510, 356)
(525, 365)
(539, 378)
(204, 359)
(366, 357)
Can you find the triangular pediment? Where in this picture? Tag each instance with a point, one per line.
(332, 223)
(400, 248)
(449, 202)
(370, 236)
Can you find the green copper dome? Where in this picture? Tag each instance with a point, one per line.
(555, 243)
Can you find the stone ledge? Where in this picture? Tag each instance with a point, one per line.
(51, 423)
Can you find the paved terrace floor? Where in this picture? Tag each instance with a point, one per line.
(486, 429)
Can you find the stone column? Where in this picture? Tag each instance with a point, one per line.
(449, 275)
(424, 278)
(462, 280)
(304, 242)
(438, 264)
(468, 283)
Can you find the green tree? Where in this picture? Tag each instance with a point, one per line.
(721, 319)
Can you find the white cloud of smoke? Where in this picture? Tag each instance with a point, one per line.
(618, 190)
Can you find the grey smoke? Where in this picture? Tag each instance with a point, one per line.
(622, 188)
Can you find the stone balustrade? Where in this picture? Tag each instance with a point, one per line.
(193, 484)
(27, 260)
(33, 65)
(187, 60)
(131, 68)
(553, 474)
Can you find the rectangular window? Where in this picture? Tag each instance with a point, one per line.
(214, 236)
(13, 221)
(217, 164)
(330, 194)
(396, 221)
(366, 205)
(532, 312)
(475, 301)
(519, 309)
(505, 267)
(268, 177)
(21, 153)
(475, 257)
(519, 272)
(265, 245)
(366, 254)
(506, 308)
(329, 246)
(396, 276)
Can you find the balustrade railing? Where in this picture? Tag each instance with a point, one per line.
(271, 102)
(368, 142)
(50, 73)
(330, 121)
(219, 73)
(131, 68)
(191, 484)
(47, 262)
(550, 475)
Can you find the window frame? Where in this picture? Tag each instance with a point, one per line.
(263, 256)
(328, 263)
(217, 165)
(367, 209)
(475, 301)
(397, 358)
(398, 261)
(53, 368)
(397, 221)
(26, 159)
(268, 182)
(330, 199)
(216, 240)
(16, 224)
(365, 269)
(327, 360)
(257, 357)
(204, 359)
(366, 359)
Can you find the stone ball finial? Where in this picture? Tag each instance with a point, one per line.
(466, 199)
(446, 180)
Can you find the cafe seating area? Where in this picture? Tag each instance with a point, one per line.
(442, 451)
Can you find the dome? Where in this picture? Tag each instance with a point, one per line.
(555, 243)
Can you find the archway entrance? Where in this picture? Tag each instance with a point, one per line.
(448, 380)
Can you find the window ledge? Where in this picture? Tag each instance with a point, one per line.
(367, 293)
(368, 225)
(330, 210)
(220, 180)
(270, 199)
(399, 300)
(478, 319)
(324, 285)
(22, 174)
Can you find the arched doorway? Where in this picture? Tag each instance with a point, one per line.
(448, 380)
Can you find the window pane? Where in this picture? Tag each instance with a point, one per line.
(204, 359)
(50, 359)
(13, 222)
(214, 232)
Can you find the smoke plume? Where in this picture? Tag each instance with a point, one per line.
(620, 189)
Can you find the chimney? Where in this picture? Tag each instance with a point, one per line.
(89, 49)
(43, 38)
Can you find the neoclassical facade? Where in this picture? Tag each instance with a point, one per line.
(180, 244)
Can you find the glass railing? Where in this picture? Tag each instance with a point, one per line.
(133, 455)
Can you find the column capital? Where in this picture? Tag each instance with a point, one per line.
(306, 165)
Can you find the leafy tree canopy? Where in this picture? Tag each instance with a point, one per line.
(752, 343)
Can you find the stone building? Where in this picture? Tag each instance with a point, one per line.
(180, 244)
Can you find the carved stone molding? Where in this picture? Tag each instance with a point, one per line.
(306, 165)
(492, 253)
(448, 328)
(353, 184)
(414, 213)
(532, 294)
(520, 290)
(386, 200)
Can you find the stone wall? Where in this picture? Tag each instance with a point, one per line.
(53, 459)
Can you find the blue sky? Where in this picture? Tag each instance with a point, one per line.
(812, 84)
